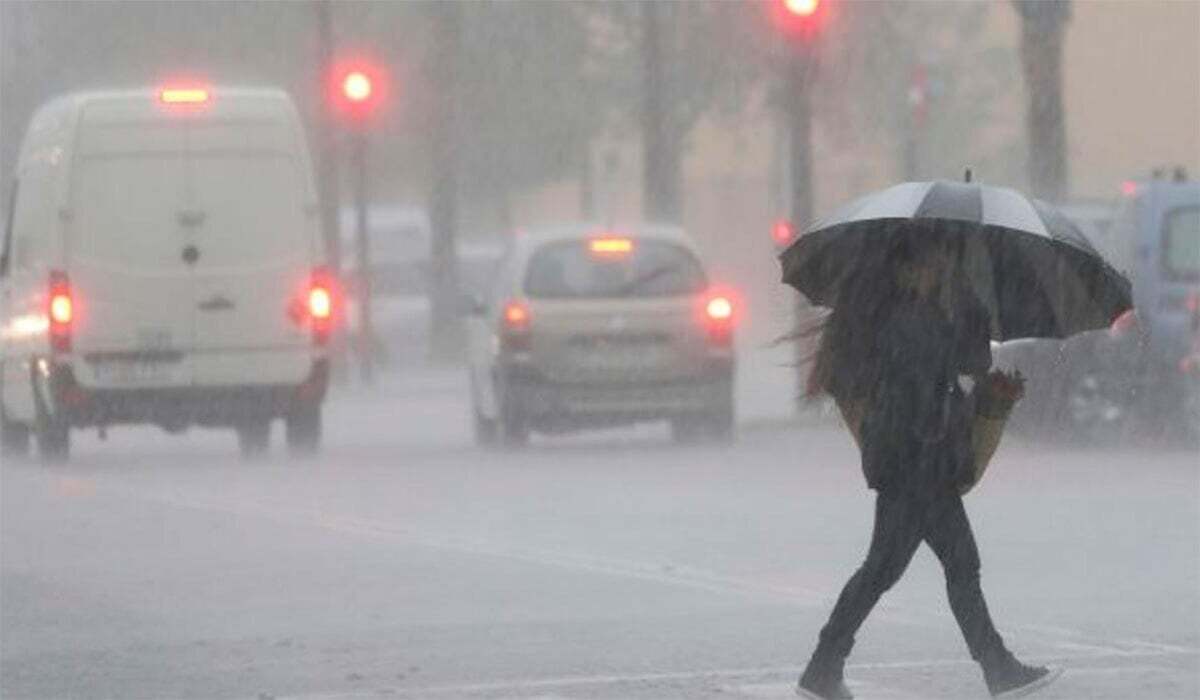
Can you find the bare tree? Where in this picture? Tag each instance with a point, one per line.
(1043, 24)
(661, 143)
(446, 330)
(323, 131)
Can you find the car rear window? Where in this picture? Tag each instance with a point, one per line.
(1181, 243)
(572, 270)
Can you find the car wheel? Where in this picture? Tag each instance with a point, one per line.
(485, 429)
(513, 426)
(254, 437)
(302, 428)
(53, 441)
(14, 438)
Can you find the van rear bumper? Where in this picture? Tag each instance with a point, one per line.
(176, 408)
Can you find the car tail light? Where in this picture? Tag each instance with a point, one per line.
(60, 309)
(717, 316)
(514, 326)
(321, 304)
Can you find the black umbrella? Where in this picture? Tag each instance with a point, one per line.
(1033, 268)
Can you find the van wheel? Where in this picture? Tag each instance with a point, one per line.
(54, 441)
(14, 438)
(254, 437)
(302, 427)
(483, 429)
(720, 426)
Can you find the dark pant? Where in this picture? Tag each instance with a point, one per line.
(902, 522)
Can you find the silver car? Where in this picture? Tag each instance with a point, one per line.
(589, 327)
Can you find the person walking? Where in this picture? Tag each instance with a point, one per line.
(891, 353)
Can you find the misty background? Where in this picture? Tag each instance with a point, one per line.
(550, 101)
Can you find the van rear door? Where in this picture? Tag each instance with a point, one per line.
(124, 249)
(254, 267)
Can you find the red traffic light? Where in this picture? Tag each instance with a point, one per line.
(801, 8)
(801, 18)
(357, 89)
(783, 233)
(356, 86)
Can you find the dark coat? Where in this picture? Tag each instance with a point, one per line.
(916, 431)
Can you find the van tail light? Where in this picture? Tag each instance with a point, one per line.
(514, 327)
(718, 316)
(60, 309)
(321, 304)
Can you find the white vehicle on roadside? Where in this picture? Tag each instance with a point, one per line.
(162, 263)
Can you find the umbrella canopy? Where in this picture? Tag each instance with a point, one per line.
(1036, 271)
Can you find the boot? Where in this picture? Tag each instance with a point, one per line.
(822, 680)
(1008, 678)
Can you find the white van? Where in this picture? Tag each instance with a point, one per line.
(162, 263)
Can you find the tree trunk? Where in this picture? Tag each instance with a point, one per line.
(326, 141)
(1042, 30)
(445, 331)
(661, 144)
(587, 179)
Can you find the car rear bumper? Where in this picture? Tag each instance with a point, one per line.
(175, 407)
(548, 404)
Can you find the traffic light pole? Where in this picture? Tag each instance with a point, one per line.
(366, 330)
(799, 115)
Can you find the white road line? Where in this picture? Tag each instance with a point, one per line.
(662, 573)
(764, 673)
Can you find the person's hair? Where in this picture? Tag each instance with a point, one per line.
(844, 363)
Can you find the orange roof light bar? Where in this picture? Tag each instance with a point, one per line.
(611, 246)
(183, 95)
